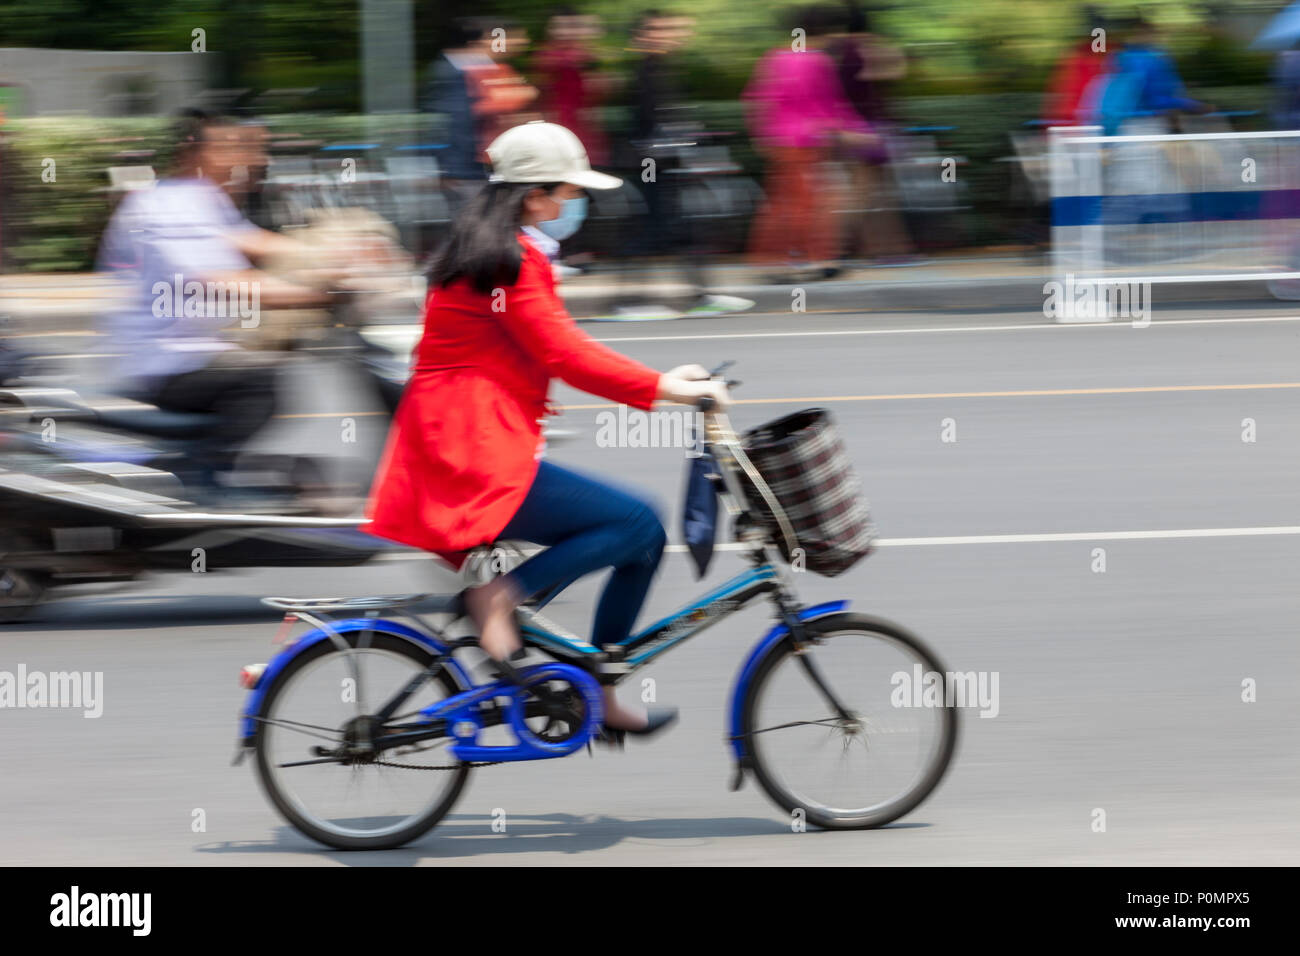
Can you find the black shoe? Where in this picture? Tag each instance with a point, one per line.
(656, 720)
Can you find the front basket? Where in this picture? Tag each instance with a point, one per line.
(804, 464)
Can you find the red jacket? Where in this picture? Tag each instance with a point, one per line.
(1074, 74)
(463, 448)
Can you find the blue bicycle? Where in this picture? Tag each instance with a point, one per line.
(365, 728)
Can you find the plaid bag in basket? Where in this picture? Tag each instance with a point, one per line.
(803, 461)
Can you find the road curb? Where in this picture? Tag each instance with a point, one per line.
(77, 310)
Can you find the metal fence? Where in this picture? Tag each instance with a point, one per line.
(1147, 206)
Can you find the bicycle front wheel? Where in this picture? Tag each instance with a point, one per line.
(858, 771)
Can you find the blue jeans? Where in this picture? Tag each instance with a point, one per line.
(588, 525)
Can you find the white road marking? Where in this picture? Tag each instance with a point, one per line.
(411, 332)
(1015, 393)
(1046, 538)
(1019, 327)
(1062, 536)
(1092, 536)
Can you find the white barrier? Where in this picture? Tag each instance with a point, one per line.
(1149, 207)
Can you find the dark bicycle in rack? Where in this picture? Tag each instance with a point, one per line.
(364, 729)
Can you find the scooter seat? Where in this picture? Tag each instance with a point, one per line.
(158, 422)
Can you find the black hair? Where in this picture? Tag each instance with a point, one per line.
(483, 245)
(1131, 21)
(190, 124)
(644, 19)
(466, 30)
(857, 19)
(806, 17)
(820, 19)
(189, 130)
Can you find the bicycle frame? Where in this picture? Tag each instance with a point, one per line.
(764, 578)
(608, 664)
(647, 644)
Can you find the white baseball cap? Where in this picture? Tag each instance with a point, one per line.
(539, 152)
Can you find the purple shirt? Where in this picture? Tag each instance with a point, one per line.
(795, 99)
(176, 233)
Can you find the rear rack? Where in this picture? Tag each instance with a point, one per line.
(414, 603)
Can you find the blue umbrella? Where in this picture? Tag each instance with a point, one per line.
(1282, 32)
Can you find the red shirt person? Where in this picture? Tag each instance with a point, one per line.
(461, 466)
(466, 440)
(1074, 74)
(570, 85)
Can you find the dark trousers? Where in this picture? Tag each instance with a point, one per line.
(589, 525)
(242, 398)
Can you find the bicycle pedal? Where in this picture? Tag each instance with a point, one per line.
(491, 670)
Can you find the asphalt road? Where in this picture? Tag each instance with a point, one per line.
(1120, 690)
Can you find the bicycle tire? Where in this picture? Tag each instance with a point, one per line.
(771, 781)
(378, 640)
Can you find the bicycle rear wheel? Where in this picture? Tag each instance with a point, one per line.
(855, 773)
(312, 706)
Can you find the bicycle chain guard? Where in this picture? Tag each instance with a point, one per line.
(465, 723)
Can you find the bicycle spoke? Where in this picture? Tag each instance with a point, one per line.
(838, 783)
(298, 726)
(310, 763)
(358, 795)
(823, 722)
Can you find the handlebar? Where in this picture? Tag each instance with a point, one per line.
(708, 405)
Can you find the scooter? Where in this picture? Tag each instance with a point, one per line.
(98, 524)
(102, 491)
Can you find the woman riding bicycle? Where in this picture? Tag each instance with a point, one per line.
(463, 465)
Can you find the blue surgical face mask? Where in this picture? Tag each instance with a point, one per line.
(572, 213)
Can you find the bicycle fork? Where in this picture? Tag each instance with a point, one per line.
(801, 641)
(792, 629)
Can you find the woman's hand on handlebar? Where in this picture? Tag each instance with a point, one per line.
(689, 391)
(692, 373)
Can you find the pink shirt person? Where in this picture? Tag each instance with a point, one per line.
(795, 99)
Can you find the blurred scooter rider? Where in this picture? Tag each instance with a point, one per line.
(186, 250)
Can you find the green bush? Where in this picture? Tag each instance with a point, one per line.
(54, 172)
(54, 226)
